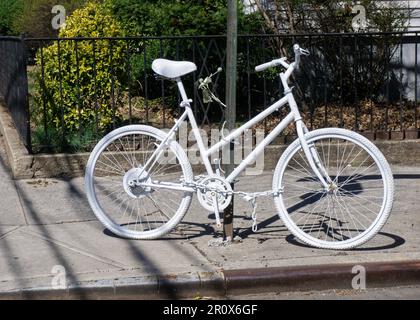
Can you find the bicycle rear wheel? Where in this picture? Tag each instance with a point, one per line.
(133, 211)
(354, 207)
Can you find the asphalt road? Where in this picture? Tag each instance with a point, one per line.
(391, 293)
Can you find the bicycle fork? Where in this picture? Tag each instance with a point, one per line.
(312, 156)
(308, 149)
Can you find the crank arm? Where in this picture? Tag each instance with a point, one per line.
(216, 211)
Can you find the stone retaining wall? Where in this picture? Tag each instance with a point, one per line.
(27, 166)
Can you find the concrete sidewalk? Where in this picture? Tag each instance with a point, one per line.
(47, 226)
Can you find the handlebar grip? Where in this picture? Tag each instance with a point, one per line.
(266, 65)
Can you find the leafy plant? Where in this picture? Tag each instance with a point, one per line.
(178, 17)
(35, 16)
(9, 11)
(347, 63)
(174, 18)
(77, 81)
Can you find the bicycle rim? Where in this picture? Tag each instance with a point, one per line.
(358, 201)
(136, 212)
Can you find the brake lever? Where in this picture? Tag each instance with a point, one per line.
(208, 95)
(207, 80)
(304, 52)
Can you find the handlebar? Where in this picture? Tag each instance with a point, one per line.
(282, 61)
(271, 64)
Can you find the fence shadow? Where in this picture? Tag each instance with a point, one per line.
(397, 240)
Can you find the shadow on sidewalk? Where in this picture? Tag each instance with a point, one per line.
(55, 249)
(195, 229)
(164, 291)
(18, 270)
(13, 263)
(396, 240)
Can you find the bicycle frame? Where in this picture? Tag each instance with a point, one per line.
(205, 153)
(131, 166)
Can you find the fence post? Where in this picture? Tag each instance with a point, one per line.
(231, 61)
(24, 75)
(14, 84)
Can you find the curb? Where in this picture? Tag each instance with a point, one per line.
(185, 285)
(226, 282)
(322, 277)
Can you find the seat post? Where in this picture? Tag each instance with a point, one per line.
(182, 90)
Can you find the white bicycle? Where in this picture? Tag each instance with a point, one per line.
(332, 187)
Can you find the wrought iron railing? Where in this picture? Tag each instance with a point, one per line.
(81, 88)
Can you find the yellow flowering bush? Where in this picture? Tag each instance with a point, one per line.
(82, 77)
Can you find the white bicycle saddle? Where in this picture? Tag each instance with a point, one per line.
(172, 69)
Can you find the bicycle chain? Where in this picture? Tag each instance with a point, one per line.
(251, 197)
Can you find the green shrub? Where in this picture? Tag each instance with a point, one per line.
(175, 18)
(81, 99)
(34, 19)
(9, 11)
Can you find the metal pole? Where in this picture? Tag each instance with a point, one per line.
(231, 61)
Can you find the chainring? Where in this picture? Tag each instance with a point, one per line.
(214, 186)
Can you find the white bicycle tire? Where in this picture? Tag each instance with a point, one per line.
(382, 165)
(96, 207)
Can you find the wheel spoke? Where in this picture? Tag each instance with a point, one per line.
(347, 209)
(130, 209)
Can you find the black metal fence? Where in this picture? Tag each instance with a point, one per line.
(81, 88)
(85, 87)
(14, 84)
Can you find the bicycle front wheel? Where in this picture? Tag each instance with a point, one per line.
(130, 210)
(357, 202)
